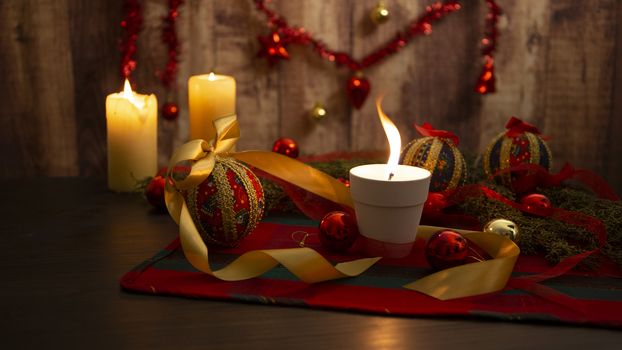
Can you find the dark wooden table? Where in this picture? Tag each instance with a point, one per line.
(65, 242)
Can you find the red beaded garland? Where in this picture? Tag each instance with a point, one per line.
(446, 248)
(286, 146)
(297, 35)
(169, 37)
(486, 80)
(131, 24)
(338, 231)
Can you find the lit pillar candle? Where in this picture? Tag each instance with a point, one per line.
(211, 96)
(388, 199)
(132, 127)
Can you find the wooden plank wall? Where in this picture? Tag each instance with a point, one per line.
(559, 66)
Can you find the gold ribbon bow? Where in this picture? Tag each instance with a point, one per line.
(193, 162)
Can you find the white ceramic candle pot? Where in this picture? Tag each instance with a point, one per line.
(388, 211)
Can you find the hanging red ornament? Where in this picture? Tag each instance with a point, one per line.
(273, 48)
(338, 231)
(286, 146)
(155, 192)
(170, 111)
(537, 203)
(446, 248)
(357, 90)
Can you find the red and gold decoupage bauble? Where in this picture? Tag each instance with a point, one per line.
(439, 154)
(520, 144)
(227, 206)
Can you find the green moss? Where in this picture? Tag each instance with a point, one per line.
(550, 238)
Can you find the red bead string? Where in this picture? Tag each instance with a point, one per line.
(286, 34)
(486, 81)
(131, 24)
(169, 38)
(274, 45)
(170, 110)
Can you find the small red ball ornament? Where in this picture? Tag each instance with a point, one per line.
(286, 146)
(346, 182)
(446, 249)
(170, 111)
(155, 192)
(434, 203)
(537, 203)
(338, 231)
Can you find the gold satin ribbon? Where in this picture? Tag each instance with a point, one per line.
(193, 162)
(470, 279)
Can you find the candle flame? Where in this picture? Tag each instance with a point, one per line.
(130, 96)
(211, 76)
(393, 135)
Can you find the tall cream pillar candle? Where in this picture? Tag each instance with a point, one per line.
(211, 96)
(132, 124)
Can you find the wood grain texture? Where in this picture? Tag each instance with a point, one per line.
(195, 29)
(520, 67)
(94, 29)
(578, 85)
(237, 27)
(308, 79)
(60, 289)
(447, 64)
(389, 78)
(37, 84)
(613, 167)
(557, 66)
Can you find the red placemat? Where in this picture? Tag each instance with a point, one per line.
(597, 295)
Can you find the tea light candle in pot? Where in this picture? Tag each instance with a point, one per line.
(388, 199)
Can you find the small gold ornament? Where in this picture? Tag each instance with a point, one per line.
(318, 112)
(379, 14)
(503, 227)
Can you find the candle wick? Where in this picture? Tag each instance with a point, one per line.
(391, 176)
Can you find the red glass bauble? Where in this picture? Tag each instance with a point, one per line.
(434, 203)
(537, 203)
(357, 90)
(346, 182)
(155, 192)
(446, 249)
(338, 231)
(286, 146)
(170, 111)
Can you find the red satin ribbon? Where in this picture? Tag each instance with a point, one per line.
(533, 176)
(531, 283)
(427, 130)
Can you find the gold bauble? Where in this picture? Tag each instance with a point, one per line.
(379, 14)
(318, 112)
(503, 227)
